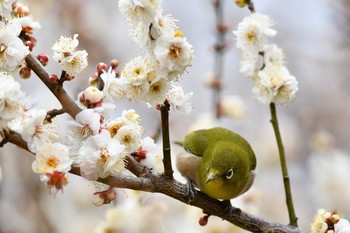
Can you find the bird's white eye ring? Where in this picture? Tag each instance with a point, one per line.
(229, 174)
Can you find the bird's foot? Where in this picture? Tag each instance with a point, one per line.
(191, 190)
(229, 209)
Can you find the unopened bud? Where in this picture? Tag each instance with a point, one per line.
(114, 63)
(222, 27)
(111, 195)
(68, 77)
(29, 44)
(204, 220)
(335, 218)
(104, 197)
(53, 78)
(242, 3)
(92, 95)
(19, 9)
(25, 72)
(93, 80)
(101, 67)
(43, 58)
(212, 82)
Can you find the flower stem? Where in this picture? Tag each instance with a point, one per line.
(164, 110)
(289, 201)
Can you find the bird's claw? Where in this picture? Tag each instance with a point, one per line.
(191, 190)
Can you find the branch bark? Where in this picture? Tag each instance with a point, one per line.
(68, 104)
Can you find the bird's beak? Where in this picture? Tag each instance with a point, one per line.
(211, 176)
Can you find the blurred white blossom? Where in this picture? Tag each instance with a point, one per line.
(233, 107)
(6, 7)
(343, 226)
(318, 224)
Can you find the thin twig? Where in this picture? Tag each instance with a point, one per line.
(288, 192)
(164, 110)
(68, 103)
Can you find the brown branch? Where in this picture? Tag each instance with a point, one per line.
(67, 102)
(164, 110)
(146, 180)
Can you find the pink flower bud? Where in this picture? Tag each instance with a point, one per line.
(29, 44)
(43, 58)
(114, 63)
(101, 67)
(53, 78)
(25, 72)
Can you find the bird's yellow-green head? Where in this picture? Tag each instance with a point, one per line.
(225, 170)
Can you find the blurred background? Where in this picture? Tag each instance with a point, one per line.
(314, 35)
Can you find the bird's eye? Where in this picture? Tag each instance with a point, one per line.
(229, 174)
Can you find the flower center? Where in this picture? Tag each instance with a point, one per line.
(174, 51)
(52, 162)
(103, 155)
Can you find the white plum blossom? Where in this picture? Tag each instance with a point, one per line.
(52, 163)
(130, 136)
(11, 99)
(12, 49)
(249, 64)
(319, 224)
(31, 127)
(148, 152)
(88, 122)
(274, 84)
(118, 87)
(128, 117)
(251, 32)
(157, 92)
(136, 93)
(101, 156)
(6, 7)
(65, 53)
(264, 63)
(65, 45)
(28, 24)
(52, 157)
(174, 54)
(140, 11)
(75, 63)
(108, 78)
(139, 70)
(273, 55)
(131, 115)
(178, 100)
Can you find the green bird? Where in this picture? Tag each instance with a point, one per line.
(221, 163)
